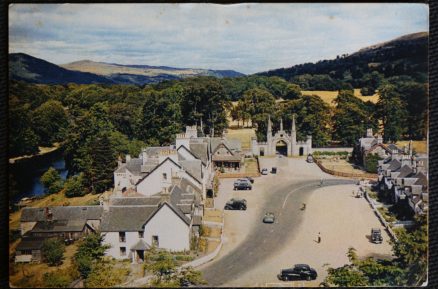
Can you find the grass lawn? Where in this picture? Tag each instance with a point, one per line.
(243, 134)
(213, 216)
(420, 146)
(341, 166)
(328, 96)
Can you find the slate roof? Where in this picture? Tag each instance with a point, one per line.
(59, 226)
(135, 201)
(200, 151)
(140, 245)
(136, 167)
(188, 186)
(194, 167)
(422, 179)
(133, 218)
(30, 214)
(393, 147)
(227, 158)
(405, 172)
(394, 165)
(127, 218)
(232, 144)
(30, 243)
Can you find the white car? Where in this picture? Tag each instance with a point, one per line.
(264, 171)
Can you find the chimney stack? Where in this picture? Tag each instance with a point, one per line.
(128, 158)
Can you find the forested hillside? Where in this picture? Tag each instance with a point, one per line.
(365, 69)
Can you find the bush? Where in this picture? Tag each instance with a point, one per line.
(52, 181)
(74, 187)
(53, 251)
(56, 279)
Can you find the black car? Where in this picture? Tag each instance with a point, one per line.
(376, 236)
(242, 184)
(235, 204)
(273, 170)
(298, 272)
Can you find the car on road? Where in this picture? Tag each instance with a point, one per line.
(274, 170)
(242, 184)
(264, 171)
(298, 272)
(309, 158)
(235, 204)
(376, 236)
(269, 218)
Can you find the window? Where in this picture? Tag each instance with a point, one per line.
(141, 234)
(122, 237)
(122, 251)
(26, 252)
(155, 241)
(164, 176)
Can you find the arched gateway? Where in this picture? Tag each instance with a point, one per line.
(282, 142)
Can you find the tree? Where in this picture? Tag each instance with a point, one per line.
(49, 122)
(312, 118)
(351, 118)
(52, 181)
(293, 91)
(105, 274)
(371, 163)
(53, 251)
(412, 250)
(392, 112)
(89, 249)
(74, 186)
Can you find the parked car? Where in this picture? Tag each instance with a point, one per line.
(251, 180)
(298, 272)
(235, 204)
(309, 158)
(264, 171)
(274, 170)
(269, 218)
(376, 236)
(242, 184)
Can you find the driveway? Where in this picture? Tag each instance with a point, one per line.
(253, 252)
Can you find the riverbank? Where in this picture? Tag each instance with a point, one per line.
(42, 151)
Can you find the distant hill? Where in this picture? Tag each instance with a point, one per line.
(406, 55)
(35, 70)
(31, 69)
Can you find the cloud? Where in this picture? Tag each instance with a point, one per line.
(245, 37)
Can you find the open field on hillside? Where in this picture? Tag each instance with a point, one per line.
(243, 134)
(420, 146)
(329, 96)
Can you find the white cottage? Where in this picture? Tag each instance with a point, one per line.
(130, 230)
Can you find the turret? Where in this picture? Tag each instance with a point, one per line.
(281, 124)
(294, 130)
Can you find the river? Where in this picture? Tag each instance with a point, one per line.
(27, 173)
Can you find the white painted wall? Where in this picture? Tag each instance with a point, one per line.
(112, 239)
(173, 233)
(154, 182)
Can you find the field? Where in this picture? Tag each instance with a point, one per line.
(420, 146)
(329, 96)
(244, 135)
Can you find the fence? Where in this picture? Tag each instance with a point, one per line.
(380, 217)
(237, 175)
(344, 174)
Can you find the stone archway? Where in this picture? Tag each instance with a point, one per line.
(281, 147)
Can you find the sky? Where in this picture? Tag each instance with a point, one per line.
(248, 38)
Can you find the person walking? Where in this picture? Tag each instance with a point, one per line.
(319, 237)
(303, 207)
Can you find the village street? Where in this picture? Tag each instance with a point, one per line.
(254, 253)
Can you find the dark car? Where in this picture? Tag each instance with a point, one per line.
(376, 236)
(298, 272)
(235, 204)
(242, 184)
(273, 170)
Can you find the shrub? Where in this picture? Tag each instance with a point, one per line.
(52, 181)
(74, 186)
(56, 279)
(53, 251)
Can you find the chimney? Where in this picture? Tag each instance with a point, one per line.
(379, 139)
(369, 132)
(165, 195)
(128, 158)
(49, 215)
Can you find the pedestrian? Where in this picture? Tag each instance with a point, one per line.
(320, 184)
(319, 237)
(303, 207)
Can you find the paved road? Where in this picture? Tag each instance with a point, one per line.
(265, 239)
